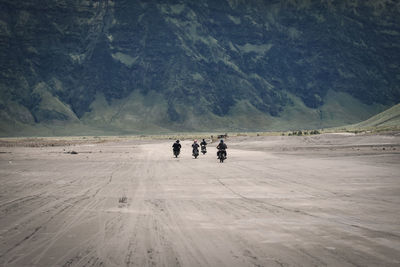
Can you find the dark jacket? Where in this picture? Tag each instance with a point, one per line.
(195, 146)
(222, 146)
(176, 146)
(203, 143)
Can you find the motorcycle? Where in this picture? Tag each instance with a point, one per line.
(195, 152)
(176, 153)
(203, 150)
(221, 155)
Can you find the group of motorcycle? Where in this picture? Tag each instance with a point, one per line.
(221, 154)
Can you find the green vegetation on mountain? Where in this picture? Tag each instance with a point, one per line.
(389, 119)
(126, 66)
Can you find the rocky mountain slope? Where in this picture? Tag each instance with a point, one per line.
(159, 65)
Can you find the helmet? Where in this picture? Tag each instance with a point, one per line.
(195, 140)
(221, 141)
(177, 141)
(203, 139)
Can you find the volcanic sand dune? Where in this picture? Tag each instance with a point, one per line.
(277, 201)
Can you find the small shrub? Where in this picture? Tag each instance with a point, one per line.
(314, 132)
(123, 199)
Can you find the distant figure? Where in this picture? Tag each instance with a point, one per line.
(176, 148)
(203, 143)
(221, 149)
(195, 147)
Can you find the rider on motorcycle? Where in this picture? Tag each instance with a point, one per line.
(222, 148)
(203, 143)
(195, 146)
(176, 146)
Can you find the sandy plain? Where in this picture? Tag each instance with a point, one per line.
(325, 200)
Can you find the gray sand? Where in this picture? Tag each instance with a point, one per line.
(277, 201)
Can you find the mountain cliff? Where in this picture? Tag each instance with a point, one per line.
(160, 65)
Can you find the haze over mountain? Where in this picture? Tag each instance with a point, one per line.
(92, 67)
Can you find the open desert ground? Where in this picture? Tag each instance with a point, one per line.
(324, 200)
